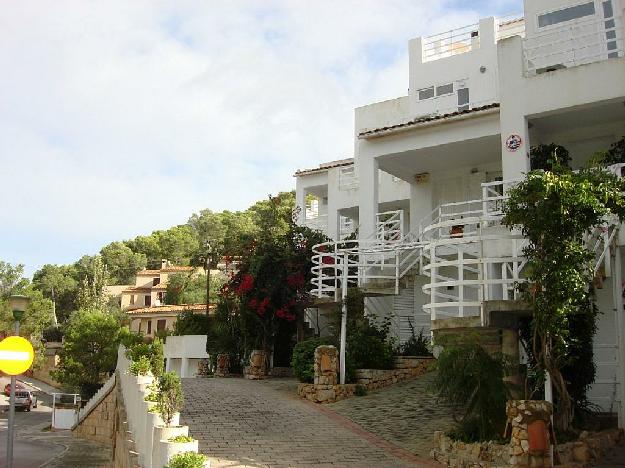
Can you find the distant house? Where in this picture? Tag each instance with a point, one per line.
(150, 320)
(150, 286)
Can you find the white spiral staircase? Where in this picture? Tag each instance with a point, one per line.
(464, 250)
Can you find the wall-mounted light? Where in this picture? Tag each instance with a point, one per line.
(482, 69)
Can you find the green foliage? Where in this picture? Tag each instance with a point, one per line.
(140, 367)
(303, 360)
(170, 399)
(52, 334)
(471, 381)
(189, 323)
(153, 395)
(89, 353)
(37, 318)
(12, 279)
(416, 345)
(191, 289)
(187, 460)
(616, 153)
(138, 350)
(58, 283)
(122, 263)
(92, 290)
(361, 390)
(546, 157)
(554, 210)
(181, 439)
(157, 357)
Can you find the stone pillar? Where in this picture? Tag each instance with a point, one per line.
(184, 368)
(223, 365)
(530, 441)
(326, 365)
(258, 365)
(510, 347)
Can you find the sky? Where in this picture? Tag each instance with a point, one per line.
(118, 118)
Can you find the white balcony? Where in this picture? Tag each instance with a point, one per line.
(579, 43)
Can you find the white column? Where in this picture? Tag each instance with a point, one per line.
(300, 202)
(515, 144)
(368, 169)
(168, 365)
(420, 203)
(184, 368)
(333, 219)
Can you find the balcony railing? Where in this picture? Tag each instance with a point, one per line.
(453, 42)
(510, 25)
(580, 43)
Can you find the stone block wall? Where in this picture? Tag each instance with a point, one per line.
(99, 424)
(326, 390)
(282, 372)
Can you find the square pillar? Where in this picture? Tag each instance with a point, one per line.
(515, 145)
(368, 169)
(420, 203)
(300, 202)
(184, 368)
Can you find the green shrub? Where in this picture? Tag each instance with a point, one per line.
(153, 395)
(471, 380)
(157, 357)
(140, 367)
(136, 350)
(187, 460)
(52, 334)
(616, 153)
(181, 439)
(170, 399)
(361, 390)
(416, 345)
(303, 360)
(369, 346)
(190, 323)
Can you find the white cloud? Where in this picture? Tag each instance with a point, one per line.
(122, 117)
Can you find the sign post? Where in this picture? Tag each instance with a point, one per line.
(16, 357)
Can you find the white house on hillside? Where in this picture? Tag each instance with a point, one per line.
(430, 169)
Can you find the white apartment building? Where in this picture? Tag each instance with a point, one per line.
(430, 170)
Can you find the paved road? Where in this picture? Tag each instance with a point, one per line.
(406, 414)
(28, 452)
(36, 446)
(263, 424)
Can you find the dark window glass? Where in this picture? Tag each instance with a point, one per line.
(566, 14)
(445, 89)
(156, 281)
(148, 300)
(426, 93)
(608, 12)
(609, 24)
(149, 327)
(612, 45)
(610, 34)
(463, 99)
(160, 325)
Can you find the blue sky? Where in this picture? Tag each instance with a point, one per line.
(120, 117)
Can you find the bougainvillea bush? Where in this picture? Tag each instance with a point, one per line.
(262, 305)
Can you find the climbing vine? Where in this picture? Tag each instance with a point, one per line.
(554, 209)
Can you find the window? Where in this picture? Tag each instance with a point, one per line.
(463, 99)
(132, 299)
(149, 327)
(159, 295)
(160, 325)
(156, 281)
(608, 11)
(566, 14)
(445, 89)
(426, 93)
(148, 301)
(139, 326)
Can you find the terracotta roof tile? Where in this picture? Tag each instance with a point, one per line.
(169, 309)
(325, 167)
(419, 120)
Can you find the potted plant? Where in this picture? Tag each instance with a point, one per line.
(176, 445)
(188, 460)
(169, 403)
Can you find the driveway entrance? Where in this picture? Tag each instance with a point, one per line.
(262, 423)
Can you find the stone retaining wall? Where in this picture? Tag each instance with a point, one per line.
(326, 390)
(455, 454)
(281, 372)
(99, 424)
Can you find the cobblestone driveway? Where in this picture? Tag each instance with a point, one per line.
(406, 414)
(262, 423)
